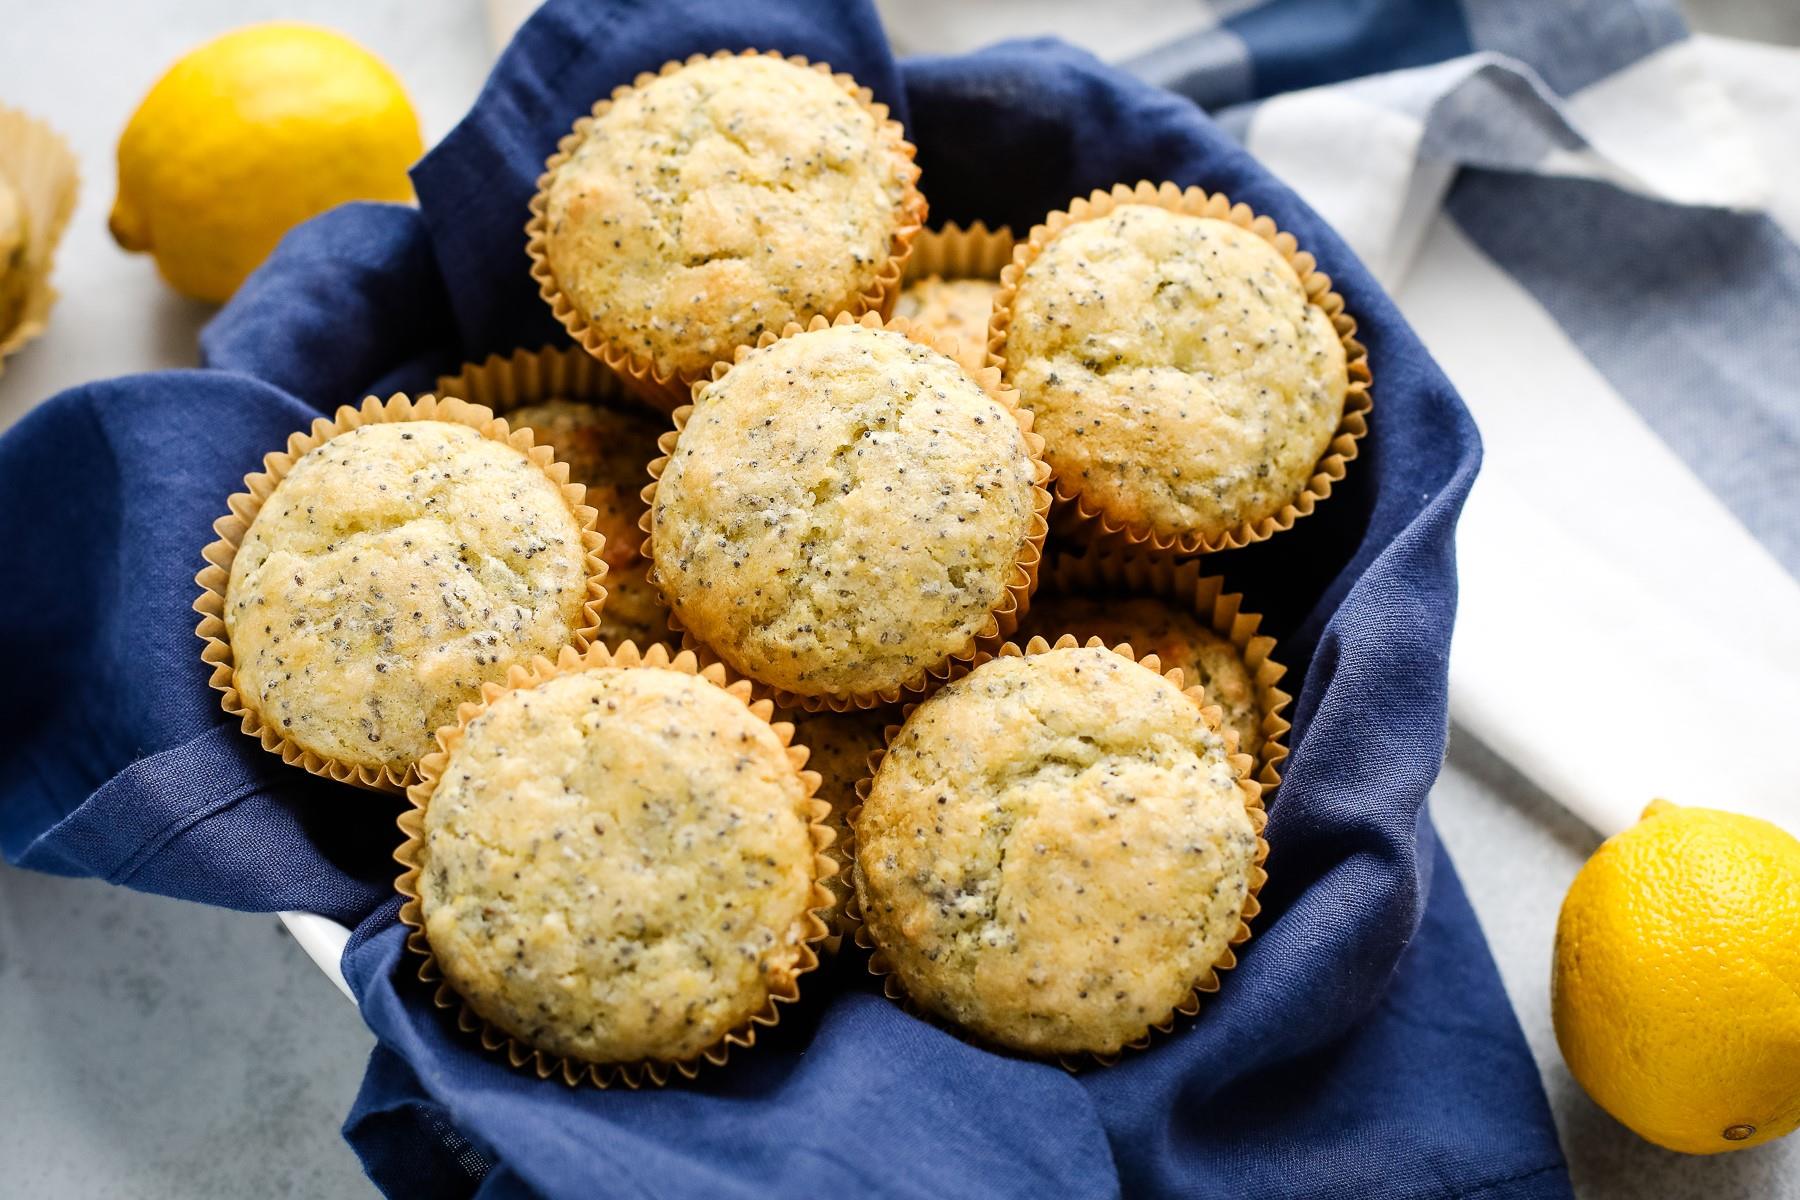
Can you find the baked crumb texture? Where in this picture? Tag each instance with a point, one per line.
(1188, 620)
(1197, 383)
(607, 435)
(841, 746)
(717, 199)
(615, 866)
(383, 567)
(845, 513)
(1057, 852)
(949, 286)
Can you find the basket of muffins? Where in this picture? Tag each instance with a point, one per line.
(842, 588)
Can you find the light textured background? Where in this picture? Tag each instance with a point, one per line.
(152, 1048)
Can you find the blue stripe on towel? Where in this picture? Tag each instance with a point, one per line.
(1211, 67)
(1573, 43)
(1497, 117)
(1303, 43)
(1284, 45)
(1688, 312)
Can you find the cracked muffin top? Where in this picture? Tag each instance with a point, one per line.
(727, 197)
(1055, 850)
(842, 513)
(395, 569)
(1182, 381)
(617, 864)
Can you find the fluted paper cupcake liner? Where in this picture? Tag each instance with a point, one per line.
(1208, 982)
(960, 252)
(655, 385)
(503, 382)
(260, 485)
(957, 253)
(519, 1052)
(39, 166)
(1007, 611)
(1353, 424)
(1125, 573)
(808, 732)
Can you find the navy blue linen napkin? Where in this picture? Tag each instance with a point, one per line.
(1363, 1047)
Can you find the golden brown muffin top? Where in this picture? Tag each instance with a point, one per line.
(617, 864)
(393, 571)
(1154, 625)
(608, 448)
(1055, 850)
(731, 196)
(1181, 379)
(843, 511)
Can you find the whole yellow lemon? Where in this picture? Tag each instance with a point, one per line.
(1676, 985)
(246, 137)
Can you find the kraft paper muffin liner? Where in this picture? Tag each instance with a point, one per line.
(503, 382)
(1100, 573)
(260, 485)
(1095, 524)
(956, 252)
(1007, 611)
(671, 390)
(1189, 1006)
(960, 252)
(39, 166)
(840, 883)
(519, 1052)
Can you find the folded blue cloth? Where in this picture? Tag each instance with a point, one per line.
(1363, 1047)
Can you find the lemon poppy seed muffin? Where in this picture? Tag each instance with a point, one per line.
(1055, 851)
(609, 447)
(843, 511)
(14, 279)
(1183, 382)
(732, 195)
(1180, 639)
(840, 745)
(952, 310)
(616, 864)
(396, 568)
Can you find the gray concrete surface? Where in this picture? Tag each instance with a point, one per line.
(152, 1049)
